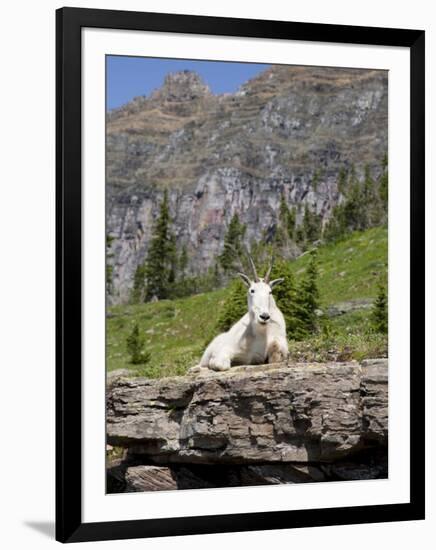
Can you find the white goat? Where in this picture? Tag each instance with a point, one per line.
(258, 337)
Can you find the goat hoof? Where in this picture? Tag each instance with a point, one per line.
(219, 368)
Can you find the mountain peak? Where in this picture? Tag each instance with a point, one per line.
(182, 86)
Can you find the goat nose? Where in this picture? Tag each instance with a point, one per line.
(264, 316)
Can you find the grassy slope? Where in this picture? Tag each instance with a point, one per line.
(350, 269)
(176, 331)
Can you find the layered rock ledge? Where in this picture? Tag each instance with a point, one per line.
(279, 423)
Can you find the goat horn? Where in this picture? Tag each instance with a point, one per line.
(253, 267)
(268, 273)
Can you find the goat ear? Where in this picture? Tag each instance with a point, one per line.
(245, 279)
(272, 284)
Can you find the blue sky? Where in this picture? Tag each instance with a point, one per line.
(128, 77)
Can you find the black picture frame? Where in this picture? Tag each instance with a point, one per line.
(69, 525)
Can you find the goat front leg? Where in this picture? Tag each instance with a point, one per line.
(277, 351)
(220, 361)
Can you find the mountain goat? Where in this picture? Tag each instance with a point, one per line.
(258, 337)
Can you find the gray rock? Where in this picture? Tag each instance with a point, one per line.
(304, 413)
(149, 478)
(166, 478)
(374, 397)
(347, 307)
(113, 376)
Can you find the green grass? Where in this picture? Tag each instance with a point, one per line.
(176, 331)
(349, 337)
(350, 269)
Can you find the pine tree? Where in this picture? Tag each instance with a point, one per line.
(232, 245)
(109, 275)
(379, 314)
(138, 291)
(365, 204)
(370, 200)
(285, 230)
(335, 227)
(216, 278)
(109, 265)
(285, 294)
(281, 230)
(342, 180)
(384, 184)
(283, 210)
(353, 209)
(260, 251)
(135, 347)
(300, 235)
(311, 225)
(307, 303)
(235, 306)
(161, 258)
(291, 222)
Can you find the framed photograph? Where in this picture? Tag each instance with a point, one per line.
(240, 275)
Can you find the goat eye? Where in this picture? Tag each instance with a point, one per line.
(252, 291)
(270, 291)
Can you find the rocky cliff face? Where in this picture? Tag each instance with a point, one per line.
(226, 154)
(274, 423)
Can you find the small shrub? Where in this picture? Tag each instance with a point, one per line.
(135, 347)
(379, 314)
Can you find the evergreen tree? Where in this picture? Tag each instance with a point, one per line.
(384, 184)
(138, 291)
(365, 205)
(379, 314)
(260, 251)
(283, 210)
(307, 302)
(216, 277)
(135, 347)
(300, 235)
(342, 180)
(109, 275)
(335, 227)
(311, 225)
(232, 245)
(235, 306)
(109, 265)
(370, 201)
(281, 231)
(286, 225)
(161, 258)
(368, 185)
(291, 222)
(285, 295)
(353, 209)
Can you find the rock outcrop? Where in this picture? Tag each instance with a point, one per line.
(286, 132)
(267, 424)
